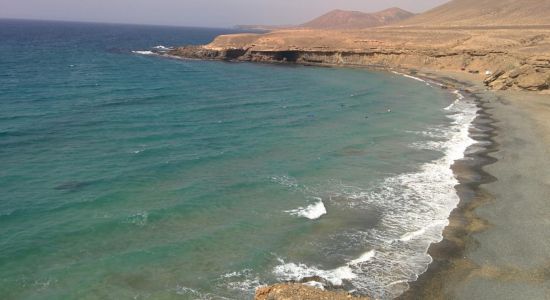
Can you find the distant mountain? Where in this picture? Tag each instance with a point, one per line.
(484, 13)
(342, 19)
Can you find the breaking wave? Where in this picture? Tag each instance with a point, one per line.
(312, 212)
(415, 207)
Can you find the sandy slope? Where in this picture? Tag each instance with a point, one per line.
(342, 19)
(485, 13)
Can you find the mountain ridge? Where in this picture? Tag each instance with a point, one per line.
(484, 13)
(345, 19)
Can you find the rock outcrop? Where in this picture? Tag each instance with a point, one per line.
(532, 75)
(507, 39)
(301, 292)
(512, 71)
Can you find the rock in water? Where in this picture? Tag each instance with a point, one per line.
(296, 291)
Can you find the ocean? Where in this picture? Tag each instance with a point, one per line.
(125, 175)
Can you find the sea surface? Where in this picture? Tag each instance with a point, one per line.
(125, 175)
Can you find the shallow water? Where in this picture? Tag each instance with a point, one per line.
(133, 176)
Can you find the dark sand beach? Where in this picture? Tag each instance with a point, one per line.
(496, 245)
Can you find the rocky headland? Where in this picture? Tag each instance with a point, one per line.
(505, 43)
(504, 57)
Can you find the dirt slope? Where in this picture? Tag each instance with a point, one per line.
(484, 13)
(342, 19)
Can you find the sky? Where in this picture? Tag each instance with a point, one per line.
(208, 13)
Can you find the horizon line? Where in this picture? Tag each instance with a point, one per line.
(234, 27)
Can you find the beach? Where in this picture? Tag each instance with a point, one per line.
(348, 173)
(496, 245)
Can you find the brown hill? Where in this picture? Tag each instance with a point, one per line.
(484, 13)
(342, 19)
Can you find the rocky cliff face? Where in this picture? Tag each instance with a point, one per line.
(503, 70)
(532, 75)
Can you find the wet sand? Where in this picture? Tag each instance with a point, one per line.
(498, 243)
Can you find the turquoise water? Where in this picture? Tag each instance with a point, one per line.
(125, 176)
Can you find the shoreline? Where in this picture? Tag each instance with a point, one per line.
(469, 176)
(495, 245)
(452, 268)
(463, 220)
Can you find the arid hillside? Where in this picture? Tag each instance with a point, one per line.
(485, 13)
(342, 19)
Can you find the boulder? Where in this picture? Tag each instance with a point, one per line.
(494, 76)
(500, 84)
(520, 71)
(534, 81)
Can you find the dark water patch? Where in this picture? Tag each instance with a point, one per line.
(73, 186)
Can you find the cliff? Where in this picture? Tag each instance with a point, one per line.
(506, 42)
(516, 58)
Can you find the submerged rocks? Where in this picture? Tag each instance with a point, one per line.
(199, 52)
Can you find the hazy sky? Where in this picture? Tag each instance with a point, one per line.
(212, 13)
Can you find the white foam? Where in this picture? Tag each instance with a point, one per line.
(162, 48)
(460, 97)
(144, 52)
(415, 207)
(418, 233)
(364, 258)
(312, 212)
(411, 77)
(286, 181)
(244, 281)
(297, 272)
(315, 284)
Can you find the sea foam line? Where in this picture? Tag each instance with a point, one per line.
(298, 272)
(416, 208)
(146, 52)
(412, 77)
